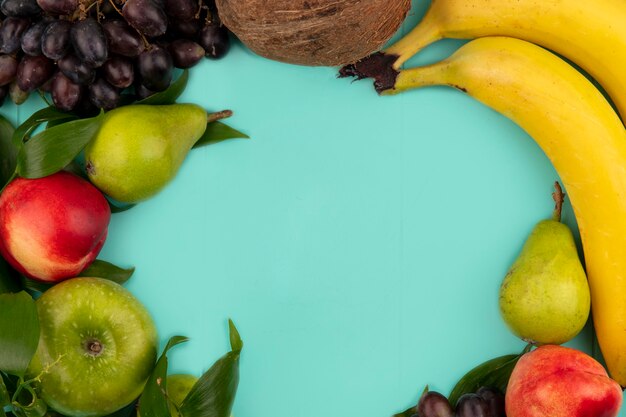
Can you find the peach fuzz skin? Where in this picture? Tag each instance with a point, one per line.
(52, 228)
(555, 381)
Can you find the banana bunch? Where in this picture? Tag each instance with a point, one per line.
(560, 108)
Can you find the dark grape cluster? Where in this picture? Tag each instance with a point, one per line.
(486, 402)
(88, 54)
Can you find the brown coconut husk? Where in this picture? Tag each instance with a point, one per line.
(314, 32)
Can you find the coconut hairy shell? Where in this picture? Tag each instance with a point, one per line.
(313, 32)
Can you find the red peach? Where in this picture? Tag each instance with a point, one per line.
(555, 381)
(52, 228)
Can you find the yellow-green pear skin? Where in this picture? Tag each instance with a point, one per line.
(139, 148)
(544, 298)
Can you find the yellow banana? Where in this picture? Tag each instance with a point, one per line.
(590, 33)
(583, 137)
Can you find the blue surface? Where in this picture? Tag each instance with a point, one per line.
(358, 242)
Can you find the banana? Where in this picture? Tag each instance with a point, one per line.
(583, 137)
(590, 33)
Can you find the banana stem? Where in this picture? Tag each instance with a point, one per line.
(214, 117)
(409, 79)
(422, 35)
(558, 197)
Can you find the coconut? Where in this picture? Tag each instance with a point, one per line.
(313, 32)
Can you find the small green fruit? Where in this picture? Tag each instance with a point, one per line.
(139, 148)
(97, 347)
(545, 297)
(178, 386)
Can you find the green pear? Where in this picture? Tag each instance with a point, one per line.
(140, 148)
(544, 298)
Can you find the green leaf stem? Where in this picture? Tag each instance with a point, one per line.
(53, 149)
(106, 270)
(29, 404)
(217, 132)
(213, 394)
(153, 401)
(170, 95)
(19, 332)
(493, 373)
(5, 399)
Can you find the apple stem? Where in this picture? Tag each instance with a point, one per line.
(558, 197)
(214, 117)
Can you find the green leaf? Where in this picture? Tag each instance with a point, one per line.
(170, 95)
(8, 152)
(236, 344)
(49, 114)
(5, 399)
(19, 332)
(9, 279)
(213, 394)
(106, 270)
(53, 149)
(493, 373)
(153, 402)
(217, 132)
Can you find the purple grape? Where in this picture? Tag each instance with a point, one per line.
(215, 41)
(472, 405)
(60, 7)
(31, 40)
(55, 41)
(119, 71)
(141, 91)
(186, 28)
(76, 70)
(33, 71)
(145, 16)
(65, 94)
(103, 95)
(185, 53)
(8, 69)
(89, 41)
(155, 68)
(11, 33)
(495, 399)
(433, 404)
(20, 8)
(123, 40)
(181, 9)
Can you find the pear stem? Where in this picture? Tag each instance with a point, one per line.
(214, 117)
(558, 197)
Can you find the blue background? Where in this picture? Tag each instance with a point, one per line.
(358, 242)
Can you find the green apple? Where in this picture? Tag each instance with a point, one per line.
(98, 346)
(178, 386)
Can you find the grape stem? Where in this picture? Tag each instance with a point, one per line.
(115, 7)
(214, 117)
